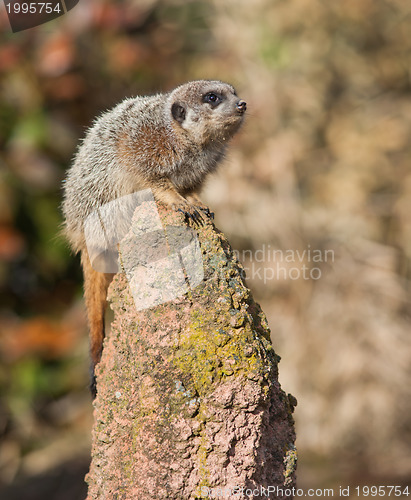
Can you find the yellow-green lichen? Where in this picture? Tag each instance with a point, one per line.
(290, 464)
(203, 470)
(207, 354)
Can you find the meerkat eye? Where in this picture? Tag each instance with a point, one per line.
(212, 98)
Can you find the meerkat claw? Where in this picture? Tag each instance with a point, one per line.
(208, 212)
(198, 219)
(192, 215)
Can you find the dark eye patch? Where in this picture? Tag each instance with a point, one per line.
(213, 98)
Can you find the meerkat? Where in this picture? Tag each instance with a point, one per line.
(168, 143)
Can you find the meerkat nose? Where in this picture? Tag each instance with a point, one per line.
(241, 106)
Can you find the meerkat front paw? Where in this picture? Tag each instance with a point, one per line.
(199, 205)
(190, 212)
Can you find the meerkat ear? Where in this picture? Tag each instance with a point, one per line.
(179, 112)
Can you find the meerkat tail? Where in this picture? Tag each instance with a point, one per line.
(95, 293)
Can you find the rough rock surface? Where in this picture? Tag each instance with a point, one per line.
(188, 401)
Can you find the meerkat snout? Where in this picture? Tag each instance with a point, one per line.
(241, 106)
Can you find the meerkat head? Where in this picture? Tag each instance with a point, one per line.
(208, 111)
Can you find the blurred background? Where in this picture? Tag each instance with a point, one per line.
(322, 165)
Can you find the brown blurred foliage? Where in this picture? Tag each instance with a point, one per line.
(322, 163)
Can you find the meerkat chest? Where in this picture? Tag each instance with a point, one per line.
(192, 170)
